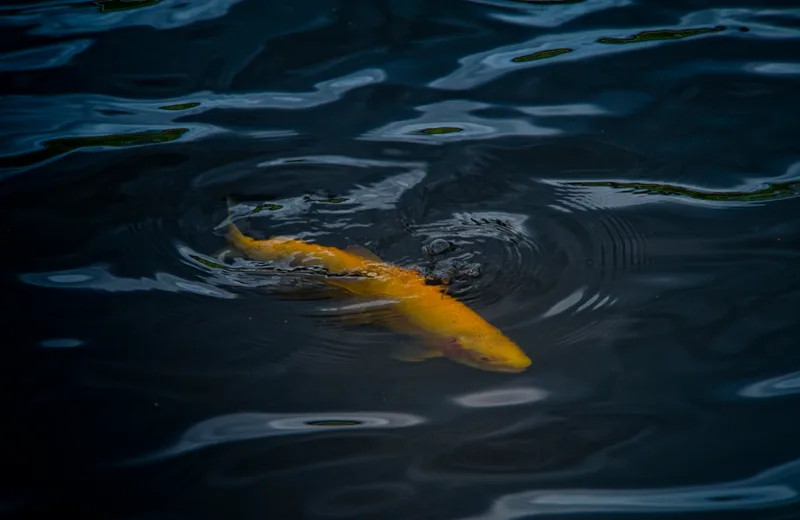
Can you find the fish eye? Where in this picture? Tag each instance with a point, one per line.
(485, 358)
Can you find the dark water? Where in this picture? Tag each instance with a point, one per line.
(625, 173)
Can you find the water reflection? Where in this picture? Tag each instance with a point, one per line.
(502, 397)
(484, 66)
(245, 426)
(788, 384)
(541, 55)
(99, 278)
(462, 124)
(547, 13)
(773, 191)
(569, 302)
(557, 176)
(46, 57)
(103, 108)
(39, 128)
(774, 487)
(326, 91)
(678, 500)
(181, 106)
(775, 69)
(375, 195)
(53, 148)
(55, 19)
(662, 34)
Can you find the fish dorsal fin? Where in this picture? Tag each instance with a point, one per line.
(362, 252)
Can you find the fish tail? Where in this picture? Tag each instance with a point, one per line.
(250, 247)
(233, 233)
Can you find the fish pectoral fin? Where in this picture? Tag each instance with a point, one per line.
(415, 354)
(362, 252)
(367, 312)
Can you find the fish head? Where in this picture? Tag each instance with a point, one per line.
(487, 351)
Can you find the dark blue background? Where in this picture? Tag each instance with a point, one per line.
(633, 206)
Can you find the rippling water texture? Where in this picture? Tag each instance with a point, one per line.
(612, 183)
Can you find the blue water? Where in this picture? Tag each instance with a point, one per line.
(619, 179)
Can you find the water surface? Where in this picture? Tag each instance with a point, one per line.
(622, 175)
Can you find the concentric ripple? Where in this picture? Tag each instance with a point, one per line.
(563, 261)
(600, 243)
(501, 243)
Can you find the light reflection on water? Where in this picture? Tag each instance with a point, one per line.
(774, 487)
(70, 19)
(99, 278)
(43, 57)
(788, 384)
(501, 397)
(246, 426)
(457, 118)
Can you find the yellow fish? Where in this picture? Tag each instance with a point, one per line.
(446, 326)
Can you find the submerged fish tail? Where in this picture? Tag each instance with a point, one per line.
(281, 247)
(234, 234)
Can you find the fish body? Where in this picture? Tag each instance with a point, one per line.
(446, 326)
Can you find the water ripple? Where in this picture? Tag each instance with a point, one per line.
(533, 447)
(103, 108)
(613, 185)
(590, 247)
(94, 137)
(492, 233)
(373, 196)
(246, 426)
(501, 397)
(620, 193)
(45, 57)
(480, 68)
(69, 17)
(788, 384)
(774, 487)
(484, 66)
(548, 13)
(99, 278)
(775, 68)
(694, 499)
(301, 455)
(453, 121)
(37, 128)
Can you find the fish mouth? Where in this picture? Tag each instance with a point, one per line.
(480, 360)
(508, 370)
